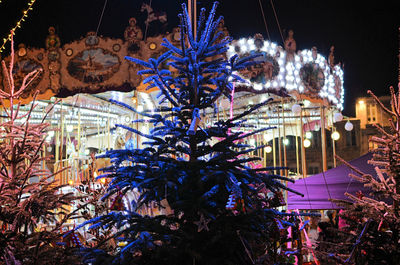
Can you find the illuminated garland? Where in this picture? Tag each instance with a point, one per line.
(18, 25)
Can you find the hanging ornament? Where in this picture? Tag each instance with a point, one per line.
(348, 126)
(296, 109)
(337, 117)
(235, 200)
(117, 204)
(195, 122)
(277, 200)
(72, 239)
(202, 223)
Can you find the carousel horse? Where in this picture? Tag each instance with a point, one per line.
(153, 16)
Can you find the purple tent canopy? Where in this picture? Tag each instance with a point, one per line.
(338, 182)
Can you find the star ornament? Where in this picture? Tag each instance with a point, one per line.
(202, 223)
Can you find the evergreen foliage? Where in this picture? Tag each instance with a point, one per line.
(191, 168)
(29, 197)
(373, 220)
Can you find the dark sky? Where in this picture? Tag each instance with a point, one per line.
(365, 33)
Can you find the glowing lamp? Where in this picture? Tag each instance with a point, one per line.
(140, 108)
(103, 180)
(296, 109)
(335, 136)
(285, 141)
(268, 149)
(348, 126)
(307, 143)
(70, 128)
(338, 117)
(308, 135)
(70, 182)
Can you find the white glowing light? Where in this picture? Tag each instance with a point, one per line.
(308, 135)
(335, 135)
(306, 143)
(348, 126)
(257, 86)
(268, 149)
(337, 117)
(70, 128)
(296, 109)
(285, 141)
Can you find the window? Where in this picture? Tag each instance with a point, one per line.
(351, 139)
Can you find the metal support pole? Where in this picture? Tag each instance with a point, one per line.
(303, 149)
(323, 139)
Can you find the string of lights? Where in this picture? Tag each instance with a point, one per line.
(18, 25)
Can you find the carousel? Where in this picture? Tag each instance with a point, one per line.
(305, 90)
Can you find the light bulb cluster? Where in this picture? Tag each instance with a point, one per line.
(18, 25)
(289, 76)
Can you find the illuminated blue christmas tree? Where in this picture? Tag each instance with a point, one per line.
(217, 215)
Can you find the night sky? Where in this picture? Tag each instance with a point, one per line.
(364, 33)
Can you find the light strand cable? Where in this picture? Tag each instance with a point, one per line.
(101, 16)
(18, 25)
(147, 24)
(265, 21)
(277, 21)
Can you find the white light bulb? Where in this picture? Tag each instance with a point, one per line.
(335, 135)
(70, 128)
(296, 109)
(140, 108)
(306, 143)
(348, 126)
(268, 149)
(308, 135)
(338, 117)
(285, 141)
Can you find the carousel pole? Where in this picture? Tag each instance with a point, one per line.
(323, 138)
(333, 144)
(303, 149)
(44, 146)
(284, 137)
(297, 150)
(57, 147)
(279, 143)
(79, 129)
(274, 150)
(61, 164)
(98, 132)
(108, 129)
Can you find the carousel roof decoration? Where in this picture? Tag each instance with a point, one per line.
(281, 71)
(93, 64)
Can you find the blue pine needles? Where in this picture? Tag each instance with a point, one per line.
(184, 171)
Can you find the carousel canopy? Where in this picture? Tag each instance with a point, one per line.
(337, 183)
